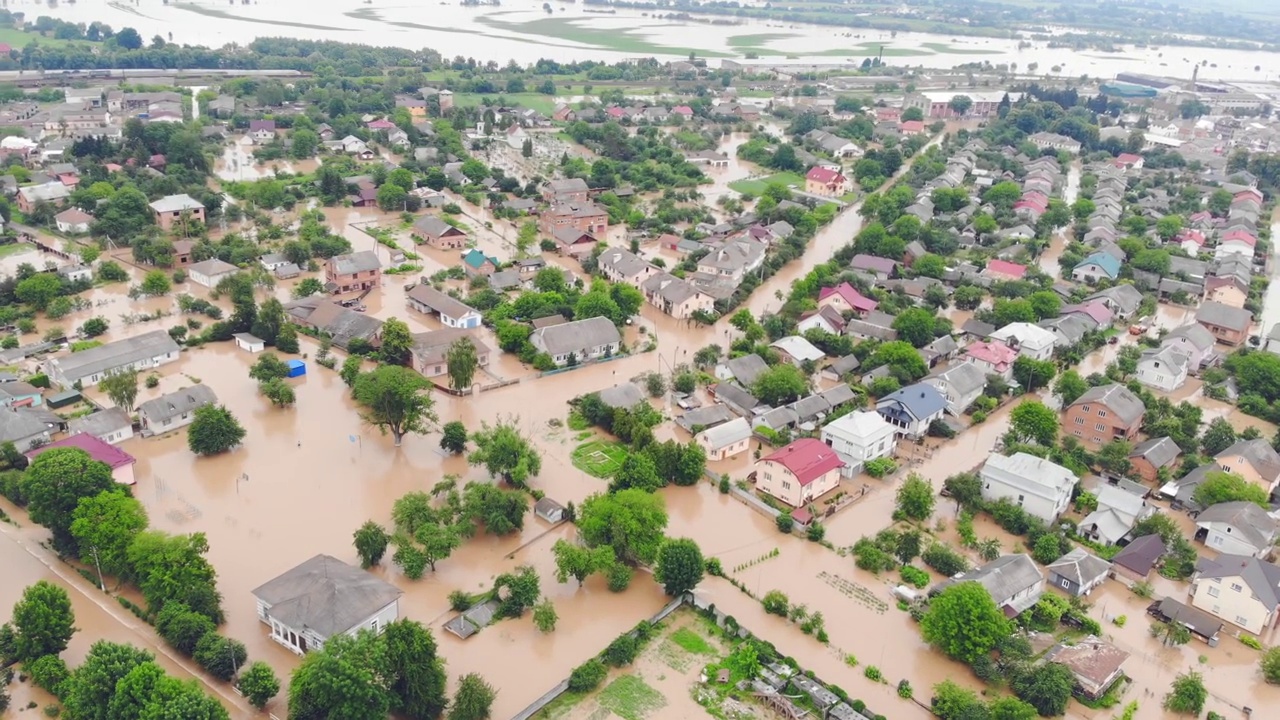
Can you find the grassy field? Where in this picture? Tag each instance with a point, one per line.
(574, 30)
(757, 186)
(212, 12)
(599, 458)
(630, 698)
(21, 38)
(544, 104)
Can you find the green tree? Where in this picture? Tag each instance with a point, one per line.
(526, 237)
(371, 541)
(104, 526)
(1070, 386)
(780, 384)
(414, 670)
(579, 562)
(174, 568)
(505, 453)
(268, 366)
(1010, 708)
(1032, 421)
(521, 591)
(964, 622)
(55, 482)
(1219, 436)
(473, 700)
(270, 319)
(133, 692)
(42, 622)
(453, 437)
(680, 566)
(1047, 549)
(287, 340)
(500, 511)
(307, 287)
(92, 685)
(395, 400)
(1187, 695)
(544, 616)
(156, 283)
(1220, 487)
(1033, 374)
(915, 498)
(397, 342)
(182, 627)
(915, 325)
(94, 326)
(636, 471)
(259, 683)
(632, 522)
(461, 361)
(351, 370)
(340, 680)
(38, 290)
(214, 430)
(121, 387)
(1046, 687)
(221, 656)
(279, 392)
(903, 360)
(1270, 665)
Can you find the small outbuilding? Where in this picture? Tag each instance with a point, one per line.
(297, 368)
(549, 510)
(64, 398)
(250, 343)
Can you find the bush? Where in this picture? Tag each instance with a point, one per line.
(713, 567)
(785, 523)
(914, 576)
(587, 676)
(181, 627)
(622, 651)
(775, 603)
(880, 467)
(816, 531)
(871, 672)
(904, 689)
(221, 657)
(619, 577)
(459, 601)
(50, 673)
(943, 559)
(1250, 641)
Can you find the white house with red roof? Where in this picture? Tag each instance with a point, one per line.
(992, 357)
(1004, 270)
(380, 125)
(912, 127)
(1236, 242)
(683, 111)
(1253, 194)
(1191, 241)
(826, 181)
(1033, 204)
(120, 462)
(846, 298)
(800, 472)
(1128, 161)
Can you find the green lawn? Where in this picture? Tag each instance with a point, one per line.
(15, 249)
(599, 458)
(21, 38)
(630, 698)
(757, 186)
(544, 104)
(692, 642)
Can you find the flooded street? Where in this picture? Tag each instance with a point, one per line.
(1048, 259)
(1271, 300)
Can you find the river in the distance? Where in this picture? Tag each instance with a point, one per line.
(526, 30)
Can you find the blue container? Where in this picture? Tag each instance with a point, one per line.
(297, 368)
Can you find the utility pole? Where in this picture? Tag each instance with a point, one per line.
(101, 583)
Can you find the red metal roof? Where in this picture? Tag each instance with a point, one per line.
(994, 352)
(808, 459)
(824, 175)
(855, 299)
(1004, 267)
(101, 451)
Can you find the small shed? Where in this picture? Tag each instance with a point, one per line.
(549, 510)
(250, 343)
(297, 368)
(64, 398)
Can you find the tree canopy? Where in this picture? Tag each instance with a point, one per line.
(396, 400)
(631, 521)
(964, 622)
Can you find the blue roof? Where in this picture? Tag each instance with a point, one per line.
(920, 400)
(1110, 264)
(476, 258)
(295, 363)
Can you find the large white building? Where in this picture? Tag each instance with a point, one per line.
(1038, 486)
(858, 437)
(88, 367)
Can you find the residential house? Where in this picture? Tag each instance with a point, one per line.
(262, 130)
(273, 261)
(826, 181)
(960, 384)
(340, 324)
(1240, 589)
(211, 272)
(1097, 665)
(584, 217)
(1117, 512)
(1134, 562)
(1000, 270)
(1104, 413)
(1122, 300)
(1229, 325)
(912, 409)
(845, 298)
(730, 263)
(578, 341)
(675, 296)
(1054, 141)
(322, 598)
(1150, 456)
(1228, 290)
(112, 425)
(726, 440)
(795, 350)
(182, 253)
(622, 396)
(174, 410)
(353, 272)
(120, 462)
(23, 428)
(76, 273)
(992, 357)
(172, 209)
(437, 233)
(73, 220)
(874, 324)
(740, 401)
(1013, 582)
(568, 190)
(880, 268)
(622, 266)
(453, 313)
(1096, 267)
(575, 243)
(1238, 528)
(1164, 369)
(88, 367)
(826, 319)
(744, 369)
(1040, 487)
(1193, 340)
(1254, 460)
(53, 193)
(799, 473)
(858, 437)
(476, 264)
(1078, 572)
(429, 351)
(1027, 339)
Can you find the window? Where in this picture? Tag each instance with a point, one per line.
(1237, 587)
(373, 625)
(1084, 408)
(1079, 421)
(1102, 413)
(1242, 620)
(1099, 426)
(1077, 433)
(786, 485)
(1213, 592)
(1066, 583)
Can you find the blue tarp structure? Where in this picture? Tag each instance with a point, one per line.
(297, 368)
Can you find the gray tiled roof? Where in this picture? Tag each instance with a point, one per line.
(1259, 454)
(1118, 399)
(1262, 577)
(114, 354)
(1157, 451)
(625, 395)
(578, 335)
(1251, 523)
(1222, 315)
(177, 403)
(355, 262)
(1079, 566)
(326, 595)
